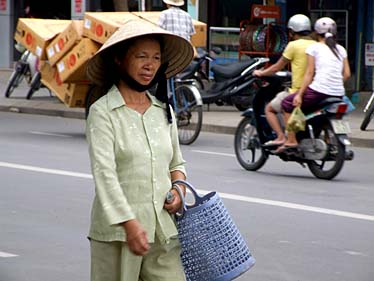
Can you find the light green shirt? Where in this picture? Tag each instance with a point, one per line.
(131, 156)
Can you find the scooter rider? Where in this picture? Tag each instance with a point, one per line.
(299, 27)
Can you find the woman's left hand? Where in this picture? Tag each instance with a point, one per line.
(175, 205)
(297, 100)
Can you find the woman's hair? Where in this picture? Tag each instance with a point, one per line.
(330, 41)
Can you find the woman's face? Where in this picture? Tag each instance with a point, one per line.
(142, 60)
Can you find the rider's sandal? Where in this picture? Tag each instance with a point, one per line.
(273, 143)
(283, 148)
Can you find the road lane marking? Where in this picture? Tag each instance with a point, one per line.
(49, 134)
(221, 194)
(7, 255)
(214, 153)
(44, 170)
(297, 206)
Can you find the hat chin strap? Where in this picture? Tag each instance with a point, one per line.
(161, 92)
(133, 84)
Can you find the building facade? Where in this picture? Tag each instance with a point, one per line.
(355, 21)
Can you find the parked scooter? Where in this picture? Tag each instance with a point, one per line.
(232, 83)
(323, 146)
(197, 70)
(27, 67)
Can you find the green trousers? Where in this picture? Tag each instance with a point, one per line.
(113, 261)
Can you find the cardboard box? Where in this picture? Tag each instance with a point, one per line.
(36, 34)
(71, 94)
(66, 40)
(199, 39)
(99, 26)
(72, 66)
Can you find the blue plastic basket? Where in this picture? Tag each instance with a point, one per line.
(212, 247)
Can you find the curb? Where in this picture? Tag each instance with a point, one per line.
(43, 111)
(210, 128)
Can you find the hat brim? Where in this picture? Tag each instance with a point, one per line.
(177, 51)
(180, 3)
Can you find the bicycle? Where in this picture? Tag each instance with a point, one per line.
(188, 108)
(369, 112)
(186, 101)
(25, 68)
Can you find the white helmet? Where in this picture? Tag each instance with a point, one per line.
(299, 22)
(324, 25)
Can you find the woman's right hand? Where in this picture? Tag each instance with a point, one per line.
(136, 237)
(257, 73)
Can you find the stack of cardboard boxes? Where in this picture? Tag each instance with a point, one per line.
(64, 47)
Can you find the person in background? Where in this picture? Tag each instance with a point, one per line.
(327, 69)
(135, 156)
(175, 20)
(179, 22)
(299, 27)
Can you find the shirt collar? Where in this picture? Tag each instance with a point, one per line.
(115, 99)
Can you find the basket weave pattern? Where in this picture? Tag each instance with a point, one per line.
(212, 246)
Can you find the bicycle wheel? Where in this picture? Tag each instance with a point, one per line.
(368, 115)
(35, 85)
(188, 113)
(13, 82)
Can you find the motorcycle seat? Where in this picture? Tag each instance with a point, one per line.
(230, 70)
(323, 104)
(189, 71)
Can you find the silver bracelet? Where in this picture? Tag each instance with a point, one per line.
(181, 195)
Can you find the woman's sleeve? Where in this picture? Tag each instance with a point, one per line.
(177, 162)
(100, 138)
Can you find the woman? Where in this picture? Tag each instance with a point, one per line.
(135, 156)
(327, 69)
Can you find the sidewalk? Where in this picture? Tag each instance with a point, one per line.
(219, 119)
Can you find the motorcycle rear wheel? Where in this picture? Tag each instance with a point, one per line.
(188, 113)
(336, 155)
(248, 149)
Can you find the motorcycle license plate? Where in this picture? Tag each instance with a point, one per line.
(341, 127)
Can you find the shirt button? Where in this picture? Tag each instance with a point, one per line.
(155, 202)
(154, 180)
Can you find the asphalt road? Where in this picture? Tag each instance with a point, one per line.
(297, 227)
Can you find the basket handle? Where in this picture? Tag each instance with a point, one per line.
(198, 200)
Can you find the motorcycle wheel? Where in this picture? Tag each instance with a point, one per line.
(13, 83)
(329, 167)
(368, 115)
(188, 113)
(34, 85)
(248, 150)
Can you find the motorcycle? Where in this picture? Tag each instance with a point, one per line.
(27, 67)
(232, 82)
(196, 71)
(323, 146)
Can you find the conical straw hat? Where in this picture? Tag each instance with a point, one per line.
(177, 51)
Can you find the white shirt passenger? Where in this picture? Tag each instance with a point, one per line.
(328, 77)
